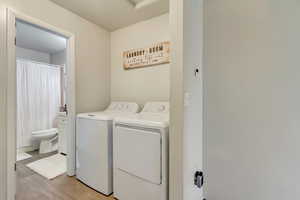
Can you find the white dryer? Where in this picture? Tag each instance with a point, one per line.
(141, 154)
(94, 151)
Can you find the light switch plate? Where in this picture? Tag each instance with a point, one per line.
(187, 98)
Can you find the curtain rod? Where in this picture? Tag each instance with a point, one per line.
(48, 64)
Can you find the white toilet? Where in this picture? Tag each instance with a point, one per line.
(46, 140)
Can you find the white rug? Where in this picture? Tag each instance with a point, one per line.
(50, 167)
(22, 156)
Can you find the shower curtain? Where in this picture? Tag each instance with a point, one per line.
(38, 98)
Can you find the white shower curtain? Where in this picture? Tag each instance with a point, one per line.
(38, 99)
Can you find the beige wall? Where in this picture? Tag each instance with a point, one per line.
(176, 188)
(92, 62)
(143, 84)
(92, 44)
(252, 84)
(3, 84)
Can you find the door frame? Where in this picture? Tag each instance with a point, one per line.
(11, 17)
(184, 28)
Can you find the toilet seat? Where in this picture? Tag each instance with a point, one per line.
(45, 133)
(47, 140)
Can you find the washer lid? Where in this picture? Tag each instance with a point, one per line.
(115, 109)
(102, 115)
(95, 116)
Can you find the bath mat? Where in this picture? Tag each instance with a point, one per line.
(22, 156)
(50, 167)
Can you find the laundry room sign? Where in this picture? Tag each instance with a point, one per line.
(153, 55)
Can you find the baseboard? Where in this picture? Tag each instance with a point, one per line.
(27, 149)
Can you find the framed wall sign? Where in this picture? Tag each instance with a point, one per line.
(153, 55)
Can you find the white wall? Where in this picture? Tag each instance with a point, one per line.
(32, 55)
(193, 88)
(91, 48)
(143, 84)
(252, 84)
(58, 58)
(186, 117)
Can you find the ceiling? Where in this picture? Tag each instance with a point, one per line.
(115, 14)
(35, 38)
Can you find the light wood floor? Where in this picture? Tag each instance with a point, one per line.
(32, 186)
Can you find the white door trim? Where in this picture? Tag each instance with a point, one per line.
(12, 15)
(176, 102)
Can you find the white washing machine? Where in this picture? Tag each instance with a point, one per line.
(141, 154)
(94, 163)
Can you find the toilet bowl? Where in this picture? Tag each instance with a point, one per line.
(46, 140)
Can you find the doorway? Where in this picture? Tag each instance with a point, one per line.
(41, 108)
(40, 74)
(41, 102)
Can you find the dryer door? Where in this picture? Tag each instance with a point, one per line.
(139, 153)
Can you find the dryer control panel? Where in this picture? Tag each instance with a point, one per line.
(156, 107)
(123, 107)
